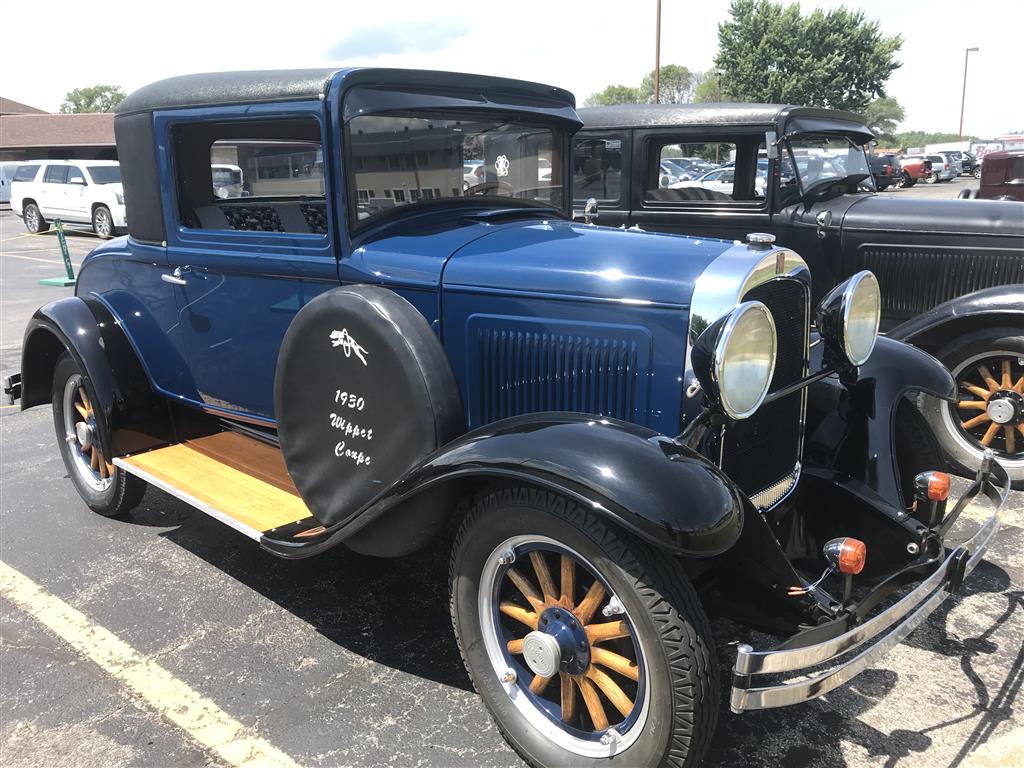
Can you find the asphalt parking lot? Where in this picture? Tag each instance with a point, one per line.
(348, 660)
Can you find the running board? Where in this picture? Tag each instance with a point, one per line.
(235, 479)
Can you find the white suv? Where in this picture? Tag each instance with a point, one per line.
(79, 191)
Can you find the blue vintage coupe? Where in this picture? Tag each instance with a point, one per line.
(622, 431)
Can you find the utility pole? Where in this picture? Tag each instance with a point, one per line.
(963, 95)
(657, 58)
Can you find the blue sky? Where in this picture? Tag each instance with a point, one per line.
(579, 46)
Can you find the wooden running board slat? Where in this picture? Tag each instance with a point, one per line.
(243, 501)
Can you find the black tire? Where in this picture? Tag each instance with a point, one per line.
(34, 221)
(658, 598)
(103, 222)
(123, 491)
(907, 181)
(976, 173)
(962, 451)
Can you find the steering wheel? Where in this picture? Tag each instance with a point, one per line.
(478, 189)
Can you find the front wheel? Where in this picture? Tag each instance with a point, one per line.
(988, 367)
(106, 489)
(976, 173)
(103, 222)
(585, 644)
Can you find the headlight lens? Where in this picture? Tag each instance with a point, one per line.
(744, 360)
(120, 198)
(862, 309)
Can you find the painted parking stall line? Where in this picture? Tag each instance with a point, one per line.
(192, 712)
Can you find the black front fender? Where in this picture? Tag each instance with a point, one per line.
(1001, 305)
(125, 401)
(851, 427)
(643, 481)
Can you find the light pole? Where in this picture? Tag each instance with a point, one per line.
(963, 95)
(657, 57)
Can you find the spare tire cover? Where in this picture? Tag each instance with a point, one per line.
(363, 392)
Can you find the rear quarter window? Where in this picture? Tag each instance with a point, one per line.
(26, 172)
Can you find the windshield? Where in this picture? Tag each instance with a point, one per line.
(402, 160)
(105, 174)
(823, 159)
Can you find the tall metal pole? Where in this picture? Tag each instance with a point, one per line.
(657, 58)
(963, 94)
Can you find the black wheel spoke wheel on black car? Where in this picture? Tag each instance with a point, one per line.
(585, 643)
(988, 367)
(106, 489)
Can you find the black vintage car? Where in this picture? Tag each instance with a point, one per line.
(951, 271)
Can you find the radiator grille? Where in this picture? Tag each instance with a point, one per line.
(759, 451)
(525, 372)
(915, 279)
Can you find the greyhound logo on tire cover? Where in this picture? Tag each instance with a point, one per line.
(348, 345)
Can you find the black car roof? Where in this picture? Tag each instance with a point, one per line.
(222, 88)
(788, 118)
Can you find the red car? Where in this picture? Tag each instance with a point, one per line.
(1002, 176)
(913, 170)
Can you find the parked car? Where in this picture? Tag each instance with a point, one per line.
(74, 191)
(885, 169)
(912, 170)
(967, 161)
(473, 172)
(7, 171)
(603, 409)
(951, 272)
(943, 168)
(1002, 177)
(228, 180)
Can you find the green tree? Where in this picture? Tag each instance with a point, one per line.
(675, 85)
(881, 116)
(771, 53)
(709, 87)
(613, 94)
(907, 139)
(98, 98)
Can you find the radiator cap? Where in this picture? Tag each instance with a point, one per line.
(761, 238)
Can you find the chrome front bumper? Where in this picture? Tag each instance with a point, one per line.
(888, 628)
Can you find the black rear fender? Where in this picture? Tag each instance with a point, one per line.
(129, 414)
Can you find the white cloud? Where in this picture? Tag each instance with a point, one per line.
(582, 47)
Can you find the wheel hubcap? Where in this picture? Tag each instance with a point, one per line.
(87, 459)
(577, 673)
(990, 413)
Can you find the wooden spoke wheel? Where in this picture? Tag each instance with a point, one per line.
(990, 412)
(565, 641)
(81, 436)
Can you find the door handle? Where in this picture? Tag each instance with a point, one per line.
(174, 278)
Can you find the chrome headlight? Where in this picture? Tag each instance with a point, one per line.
(734, 359)
(848, 317)
(119, 196)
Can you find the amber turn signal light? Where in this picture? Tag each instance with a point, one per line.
(933, 486)
(846, 555)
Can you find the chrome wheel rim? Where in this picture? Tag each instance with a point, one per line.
(102, 222)
(87, 459)
(596, 704)
(32, 218)
(990, 411)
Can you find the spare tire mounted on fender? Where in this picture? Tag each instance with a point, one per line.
(363, 391)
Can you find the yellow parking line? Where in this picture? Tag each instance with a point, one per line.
(31, 258)
(195, 714)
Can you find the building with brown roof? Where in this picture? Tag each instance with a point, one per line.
(27, 133)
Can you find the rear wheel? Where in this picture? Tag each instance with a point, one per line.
(103, 222)
(34, 221)
(585, 644)
(988, 366)
(106, 489)
(906, 180)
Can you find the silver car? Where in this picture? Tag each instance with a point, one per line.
(945, 167)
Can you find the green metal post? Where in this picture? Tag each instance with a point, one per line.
(62, 282)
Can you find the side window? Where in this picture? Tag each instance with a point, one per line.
(75, 175)
(26, 173)
(256, 176)
(56, 174)
(597, 169)
(707, 172)
(1015, 170)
